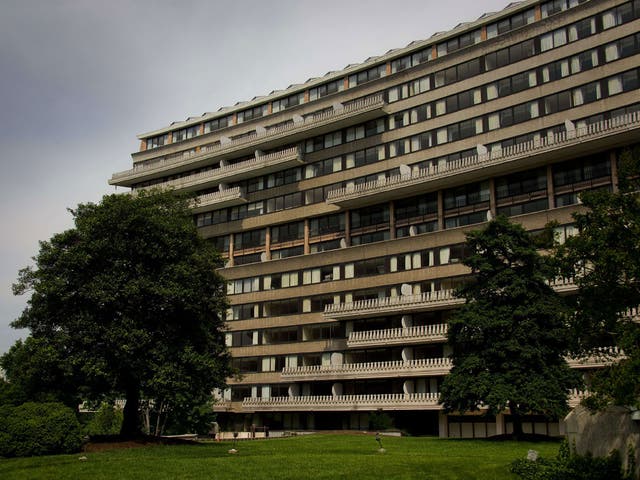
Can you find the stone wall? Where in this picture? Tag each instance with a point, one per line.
(601, 433)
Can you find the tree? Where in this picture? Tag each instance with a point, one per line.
(509, 339)
(605, 256)
(129, 304)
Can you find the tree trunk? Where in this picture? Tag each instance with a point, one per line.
(516, 419)
(130, 414)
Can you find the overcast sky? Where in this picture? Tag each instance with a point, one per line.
(80, 78)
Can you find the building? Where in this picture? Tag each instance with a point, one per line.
(340, 205)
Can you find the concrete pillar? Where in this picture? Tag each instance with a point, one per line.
(267, 243)
(492, 197)
(408, 387)
(231, 249)
(406, 321)
(551, 194)
(614, 171)
(500, 424)
(440, 209)
(337, 358)
(392, 221)
(407, 354)
(336, 389)
(443, 425)
(306, 237)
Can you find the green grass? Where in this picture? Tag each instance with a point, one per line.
(308, 457)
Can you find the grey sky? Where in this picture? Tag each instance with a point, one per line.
(79, 79)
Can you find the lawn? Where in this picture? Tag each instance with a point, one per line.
(307, 457)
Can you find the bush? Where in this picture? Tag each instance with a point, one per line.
(570, 467)
(34, 429)
(107, 420)
(380, 420)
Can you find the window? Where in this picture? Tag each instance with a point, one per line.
(287, 232)
(217, 124)
(327, 224)
(521, 183)
(367, 75)
(368, 216)
(251, 113)
(416, 206)
(158, 141)
(185, 133)
(466, 195)
(287, 102)
(515, 21)
(250, 239)
(326, 89)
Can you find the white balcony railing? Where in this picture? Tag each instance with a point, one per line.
(421, 301)
(223, 198)
(411, 401)
(409, 368)
(440, 298)
(389, 401)
(600, 357)
(406, 335)
(359, 106)
(516, 152)
(237, 171)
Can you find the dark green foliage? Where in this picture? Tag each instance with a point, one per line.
(127, 304)
(379, 420)
(509, 338)
(107, 420)
(38, 429)
(571, 467)
(606, 257)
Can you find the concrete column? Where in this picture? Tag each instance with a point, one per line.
(267, 243)
(614, 171)
(406, 321)
(307, 249)
(231, 249)
(408, 387)
(336, 389)
(392, 221)
(440, 210)
(347, 228)
(500, 424)
(407, 354)
(443, 425)
(492, 197)
(551, 195)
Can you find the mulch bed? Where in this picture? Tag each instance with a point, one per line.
(115, 442)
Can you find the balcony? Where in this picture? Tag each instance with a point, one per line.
(380, 306)
(398, 336)
(341, 403)
(223, 198)
(602, 357)
(581, 140)
(437, 300)
(399, 401)
(352, 113)
(410, 368)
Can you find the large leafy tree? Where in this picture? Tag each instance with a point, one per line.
(510, 338)
(127, 304)
(605, 256)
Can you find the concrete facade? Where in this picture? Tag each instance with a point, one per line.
(340, 205)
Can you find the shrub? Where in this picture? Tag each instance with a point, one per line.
(34, 429)
(571, 467)
(107, 420)
(380, 420)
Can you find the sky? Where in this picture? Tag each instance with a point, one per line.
(79, 79)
